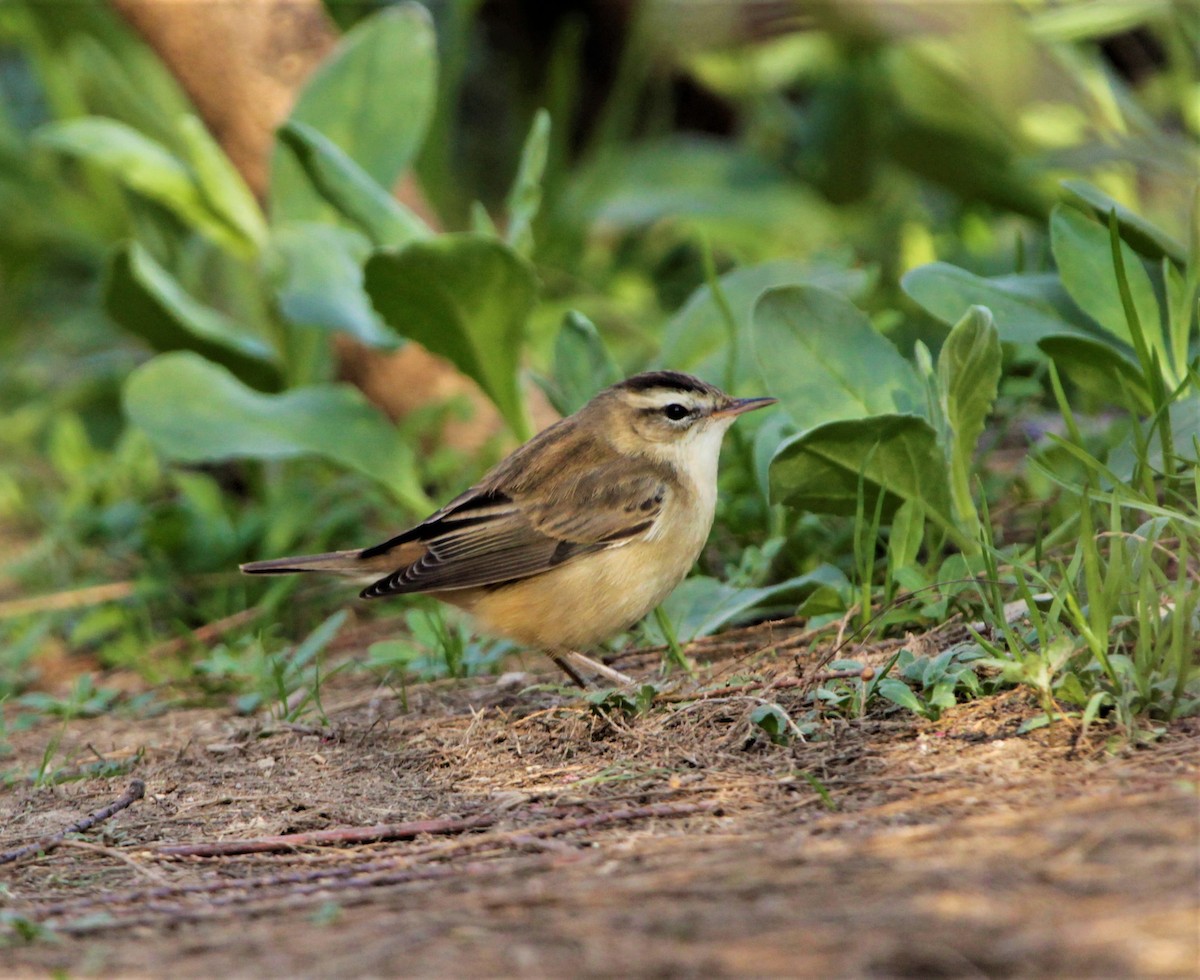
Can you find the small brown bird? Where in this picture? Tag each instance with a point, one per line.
(577, 534)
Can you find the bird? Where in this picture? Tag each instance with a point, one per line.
(577, 534)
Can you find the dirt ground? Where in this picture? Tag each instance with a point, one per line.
(570, 842)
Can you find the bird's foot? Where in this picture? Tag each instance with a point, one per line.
(573, 663)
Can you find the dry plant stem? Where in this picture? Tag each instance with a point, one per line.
(117, 855)
(204, 634)
(371, 835)
(578, 660)
(92, 595)
(136, 790)
(314, 838)
(368, 870)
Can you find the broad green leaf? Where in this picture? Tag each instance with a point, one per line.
(525, 197)
(701, 605)
(768, 437)
(221, 186)
(346, 186)
(900, 693)
(728, 193)
(820, 356)
(319, 272)
(697, 338)
(149, 302)
(968, 379)
(1126, 458)
(908, 531)
(373, 97)
(1100, 369)
(195, 411)
(1145, 237)
(467, 298)
(582, 365)
(898, 455)
(1084, 256)
(1024, 307)
(142, 165)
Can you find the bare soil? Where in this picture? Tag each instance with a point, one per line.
(675, 842)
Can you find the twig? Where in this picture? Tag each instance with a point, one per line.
(92, 595)
(432, 862)
(203, 634)
(136, 790)
(118, 855)
(312, 838)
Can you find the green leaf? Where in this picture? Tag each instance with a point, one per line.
(968, 380)
(897, 455)
(908, 531)
(1145, 237)
(820, 356)
(373, 97)
(466, 298)
(697, 338)
(525, 197)
(702, 605)
(346, 186)
(900, 693)
(220, 184)
(1025, 308)
(194, 411)
(318, 268)
(1084, 256)
(582, 365)
(771, 432)
(1099, 368)
(145, 299)
(142, 165)
(774, 723)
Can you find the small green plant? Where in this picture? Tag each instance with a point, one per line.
(776, 724)
(626, 703)
(1112, 628)
(291, 678)
(437, 645)
(922, 684)
(17, 929)
(929, 685)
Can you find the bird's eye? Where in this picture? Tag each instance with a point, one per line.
(675, 412)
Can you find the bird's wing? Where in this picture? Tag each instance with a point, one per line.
(488, 536)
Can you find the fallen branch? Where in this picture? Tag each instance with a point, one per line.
(407, 831)
(136, 790)
(313, 838)
(390, 869)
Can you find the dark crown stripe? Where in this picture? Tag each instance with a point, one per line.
(670, 380)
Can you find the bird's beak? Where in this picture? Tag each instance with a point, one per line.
(736, 406)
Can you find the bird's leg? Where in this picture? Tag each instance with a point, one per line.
(562, 664)
(573, 662)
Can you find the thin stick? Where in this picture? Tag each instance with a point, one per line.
(117, 855)
(337, 835)
(91, 595)
(203, 634)
(136, 790)
(610, 674)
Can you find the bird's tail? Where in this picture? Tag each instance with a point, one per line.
(338, 562)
